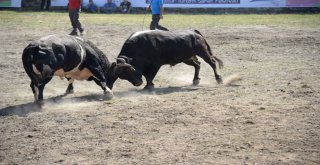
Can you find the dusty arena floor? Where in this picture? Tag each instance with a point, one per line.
(272, 116)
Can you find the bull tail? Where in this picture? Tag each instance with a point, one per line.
(209, 49)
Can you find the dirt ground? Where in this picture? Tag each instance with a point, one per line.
(270, 117)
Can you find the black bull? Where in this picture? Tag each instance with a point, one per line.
(147, 51)
(71, 57)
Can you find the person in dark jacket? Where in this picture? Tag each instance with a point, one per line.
(45, 3)
(125, 6)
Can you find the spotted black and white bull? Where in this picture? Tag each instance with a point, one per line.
(147, 51)
(72, 57)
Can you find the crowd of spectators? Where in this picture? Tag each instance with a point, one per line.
(76, 6)
(108, 7)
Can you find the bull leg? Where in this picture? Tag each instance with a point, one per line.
(149, 78)
(196, 64)
(108, 94)
(212, 62)
(98, 74)
(41, 87)
(70, 86)
(97, 82)
(37, 89)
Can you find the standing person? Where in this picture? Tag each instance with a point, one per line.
(74, 7)
(125, 6)
(157, 14)
(45, 2)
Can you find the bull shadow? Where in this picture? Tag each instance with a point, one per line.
(160, 90)
(20, 110)
(170, 89)
(27, 108)
(24, 109)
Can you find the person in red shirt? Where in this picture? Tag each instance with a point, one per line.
(74, 8)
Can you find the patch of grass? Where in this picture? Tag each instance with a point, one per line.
(53, 20)
(109, 102)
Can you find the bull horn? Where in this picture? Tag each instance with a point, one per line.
(121, 60)
(128, 60)
(42, 52)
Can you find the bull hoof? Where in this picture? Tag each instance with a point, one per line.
(69, 91)
(107, 95)
(196, 82)
(219, 80)
(39, 103)
(149, 88)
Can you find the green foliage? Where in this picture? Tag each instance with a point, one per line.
(53, 20)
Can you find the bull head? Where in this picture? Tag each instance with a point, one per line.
(125, 71)
(43, 62)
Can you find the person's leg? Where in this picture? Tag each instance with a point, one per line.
(71, 16)
(42, 4)
(155, 21)
(77, 22)
(48, 4)
(162, 28)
